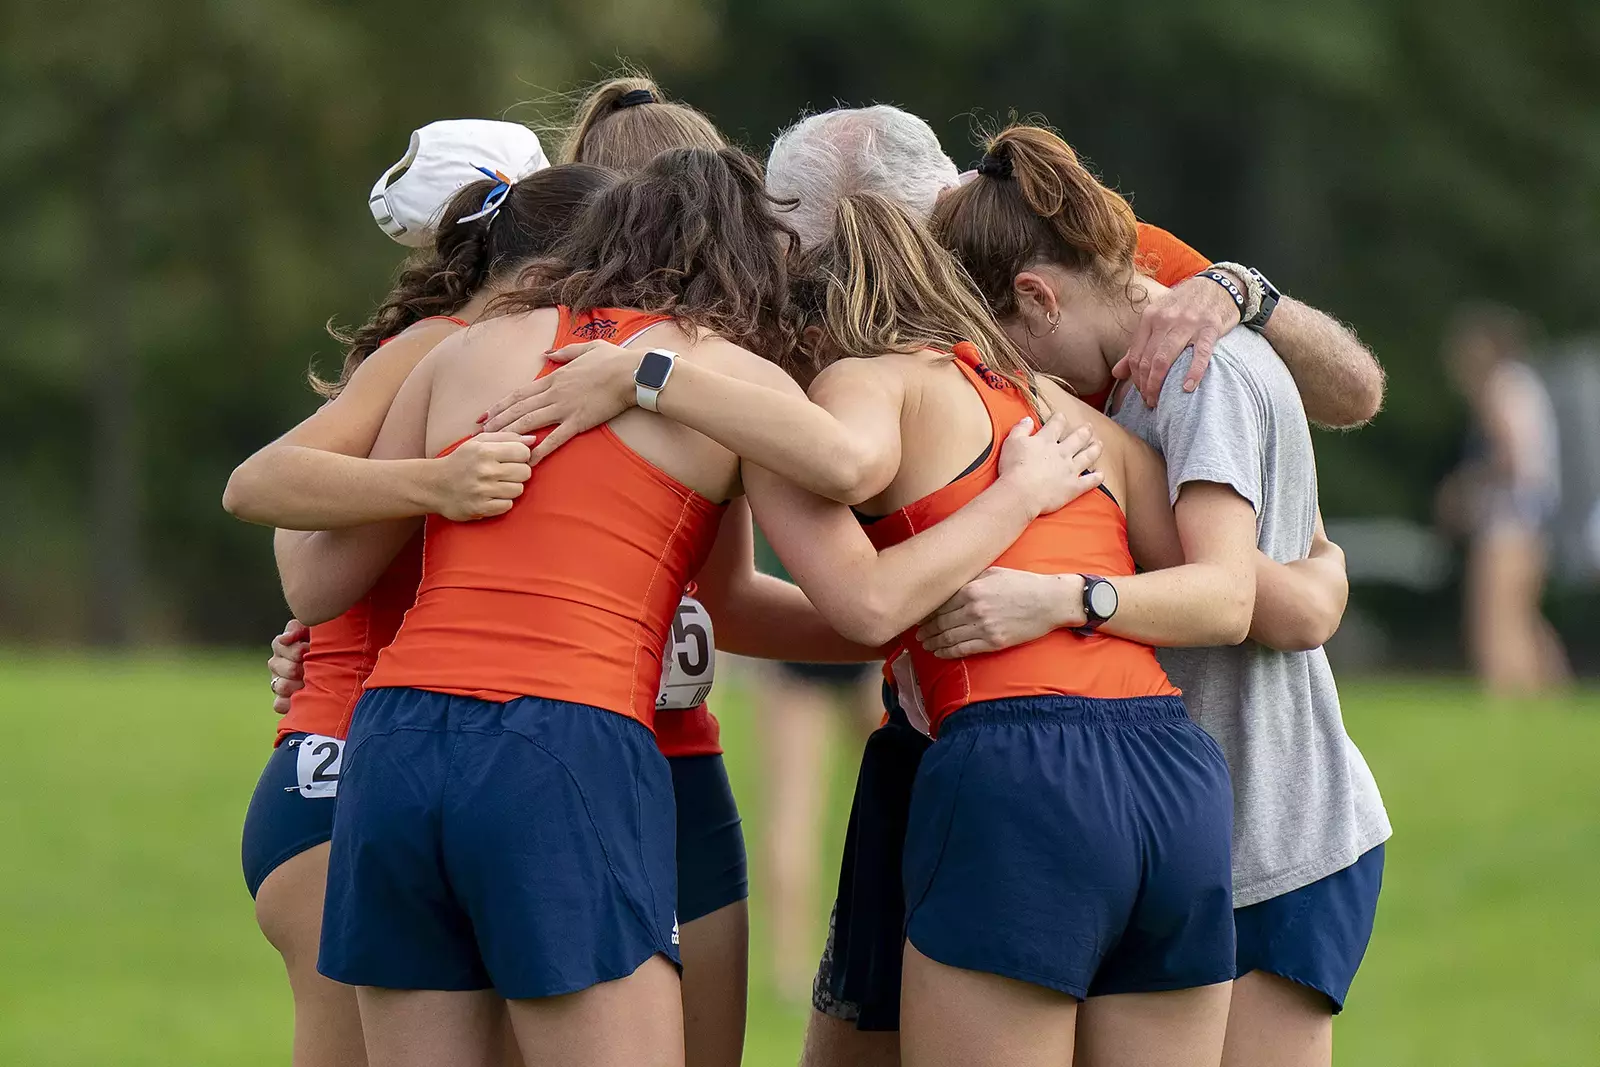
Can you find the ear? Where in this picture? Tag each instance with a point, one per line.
(811, 336)
(1036, 297)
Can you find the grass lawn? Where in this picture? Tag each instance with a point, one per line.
(129, 937)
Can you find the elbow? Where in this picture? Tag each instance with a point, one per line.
(1234, 616)
(850, 483)
(1366, 398)
(869, 620)
(236, 494)
(307, 605)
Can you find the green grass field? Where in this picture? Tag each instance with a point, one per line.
(129, 937)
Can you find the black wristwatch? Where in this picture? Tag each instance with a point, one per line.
(1099, 603)
(1269, 301)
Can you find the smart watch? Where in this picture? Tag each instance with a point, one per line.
(1269, 301)
(1099, 603)
(651, 376)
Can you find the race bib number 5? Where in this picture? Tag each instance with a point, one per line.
(690, 659)
(317, 764)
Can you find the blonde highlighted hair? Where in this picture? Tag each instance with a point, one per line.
(880, 283)
(625, 136)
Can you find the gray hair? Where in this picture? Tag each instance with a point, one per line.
(880, 149)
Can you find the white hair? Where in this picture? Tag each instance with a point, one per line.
(880, 149)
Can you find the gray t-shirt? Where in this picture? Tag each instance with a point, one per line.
(1304, 803)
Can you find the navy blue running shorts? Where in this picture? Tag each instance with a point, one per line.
(1315, 935)
(292, 808)
(712, 869)
(1077, 844)
(524, 846)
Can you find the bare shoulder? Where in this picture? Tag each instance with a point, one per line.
(1119, 442)
(728, 358)
(530, 331)
(889, 372)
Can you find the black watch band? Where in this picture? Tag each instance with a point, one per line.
(1099, 603)
(1269, 301)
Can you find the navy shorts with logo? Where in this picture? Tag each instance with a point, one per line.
(713, 871)
(858, 979)
(1077, 844)
(292, 808)
(1315, 935)
(525, 847)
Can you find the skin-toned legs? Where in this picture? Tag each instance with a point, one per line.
(427, 1027)
(1184, 1028)
(637, 1021)
(1274, 1022)
(327, 1023)
(834, 1042)
(716, 971)
(955, 1018)
(1513, 646)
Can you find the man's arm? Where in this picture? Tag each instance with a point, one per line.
(1340, 381)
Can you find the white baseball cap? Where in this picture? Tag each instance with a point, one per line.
(443, 158)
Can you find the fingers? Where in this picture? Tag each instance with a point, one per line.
(295, 631)
(1138, 353)
(1203, 343)
(1123, 368)
(513, 405)
(1154, 374)
(966, 648)
(502, 448)
(1023, 428)
(568, 353)
(1054, 428)
(1087, 456)
(958, 635)
(951, 615)
(554, 440)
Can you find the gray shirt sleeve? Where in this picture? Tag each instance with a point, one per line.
(1217, 433)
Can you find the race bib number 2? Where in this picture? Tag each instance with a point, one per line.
(317, 763)
(690, 659)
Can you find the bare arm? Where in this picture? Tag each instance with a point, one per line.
(840, 447)
(870, 597)
(327, 571)
(1300, 604)
(1340, 381)
(762, 616)
(288, 483)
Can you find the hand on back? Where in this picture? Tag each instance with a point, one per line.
(483, 477)
(594, 387)
(1051, 467)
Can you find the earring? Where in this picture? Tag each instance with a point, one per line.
(1054, 319)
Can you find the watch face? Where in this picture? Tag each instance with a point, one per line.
(1103, 599)
(653, 370)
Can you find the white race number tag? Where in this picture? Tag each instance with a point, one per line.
(909, 693)
(690, 659)
(317, 765)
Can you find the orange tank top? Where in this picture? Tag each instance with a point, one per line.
(1165, 258)
(570, 595)
(1088, 536)
(343, 650)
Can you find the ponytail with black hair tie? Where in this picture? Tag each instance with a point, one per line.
(635, 97)
(993, 166)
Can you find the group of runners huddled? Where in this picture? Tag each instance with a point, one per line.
(1045, 463)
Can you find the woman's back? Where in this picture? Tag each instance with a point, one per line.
(570, 594)
(960, 408)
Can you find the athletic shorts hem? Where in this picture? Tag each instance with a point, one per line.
(1076, 990)
(284, 856)
(1334, 1002)
(1164, 985)
(712, 905)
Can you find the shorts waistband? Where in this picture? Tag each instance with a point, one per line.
(1067, 710)
(403, 707)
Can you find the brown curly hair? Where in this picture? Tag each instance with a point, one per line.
(692, 234)
(466, 256)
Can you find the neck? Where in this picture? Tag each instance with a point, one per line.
(1123, 320)
(473, 309)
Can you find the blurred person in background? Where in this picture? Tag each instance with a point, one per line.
(1501, 501)
(802, 707)
(431, 200)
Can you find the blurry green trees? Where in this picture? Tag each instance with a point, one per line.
(184, 182)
